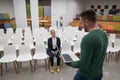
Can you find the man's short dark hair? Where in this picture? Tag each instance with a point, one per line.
(88, 14)
(52, 30)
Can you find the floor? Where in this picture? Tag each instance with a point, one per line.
(111, 72)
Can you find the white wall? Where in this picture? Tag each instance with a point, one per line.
(65, 8)
(20, 13)
(87, 4)
(6, 6)
(73, 7)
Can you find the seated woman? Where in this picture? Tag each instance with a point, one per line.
(54, 47)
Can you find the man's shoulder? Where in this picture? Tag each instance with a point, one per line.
(57, 37)
(49, 38)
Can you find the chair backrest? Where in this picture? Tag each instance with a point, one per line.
(112, 37)
(36, 32)
(3, 42)
(39, 40)
(17, 41)
(109, 43)
(69, 38)
(46, 35)
(19, 32)
(117, 43)
(40, 48)
(76, 45)
(27, 31)
(28, 41)
(9, 50)
(66, 46)
(24, 49)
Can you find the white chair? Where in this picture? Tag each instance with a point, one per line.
(40, 54)
(24, 55)
(66, 48)
(110, 51)
(117, 46)
(112, 37)
(9, 56)
(76, 47)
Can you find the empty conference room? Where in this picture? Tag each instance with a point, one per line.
(59, 39)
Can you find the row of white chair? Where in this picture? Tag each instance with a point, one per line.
(113, 47)
(24, 55)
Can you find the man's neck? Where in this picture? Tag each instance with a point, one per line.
(93, 27)
(53, 36)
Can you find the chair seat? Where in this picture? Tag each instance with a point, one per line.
(76, 50)
(118, 48)
(24, 58)
(110, 49)
(8, 58)
(67, 52)
(40, 56)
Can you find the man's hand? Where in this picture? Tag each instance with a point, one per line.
(53, 52)
(77, 54)
(56, 52)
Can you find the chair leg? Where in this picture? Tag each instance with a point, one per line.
(61, 61)
(117, 56)
(15, 66)
(46, 63)
(35, 63)
(6, 66)
(31, 66)
(1, 69)
(18, 64)
(108, 57)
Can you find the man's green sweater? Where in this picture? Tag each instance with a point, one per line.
(93, 51)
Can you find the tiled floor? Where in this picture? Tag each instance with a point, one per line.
(111, 72)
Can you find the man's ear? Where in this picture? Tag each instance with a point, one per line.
(87, 22)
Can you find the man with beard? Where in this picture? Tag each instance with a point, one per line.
(93, 49)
